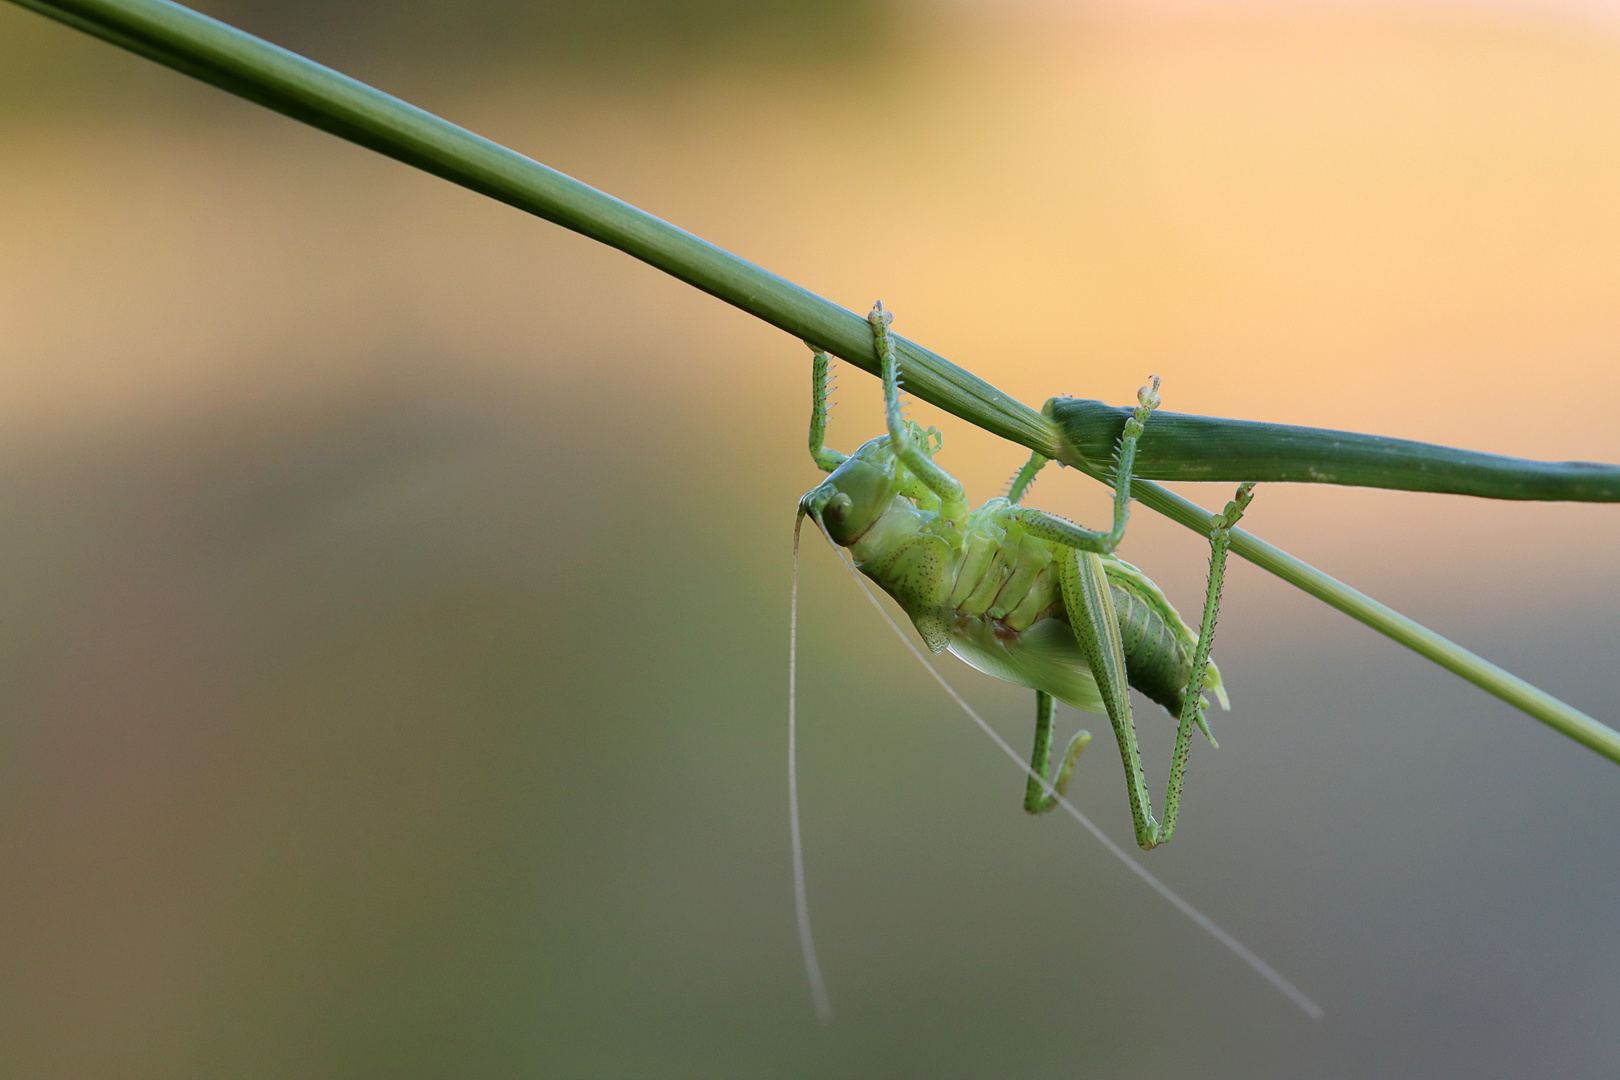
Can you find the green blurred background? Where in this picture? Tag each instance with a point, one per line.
(393, 588)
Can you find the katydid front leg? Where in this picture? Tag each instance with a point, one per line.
(826, 459)
(952, 499)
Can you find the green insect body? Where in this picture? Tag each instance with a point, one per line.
(1021, 594)
(989, 594)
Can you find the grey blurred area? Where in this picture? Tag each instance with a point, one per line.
(393, 589)
(441, 732)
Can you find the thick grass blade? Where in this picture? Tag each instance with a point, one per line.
(1178, 446)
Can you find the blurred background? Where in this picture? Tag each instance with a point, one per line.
(393, 588)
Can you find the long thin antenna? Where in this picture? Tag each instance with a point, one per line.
(812, 969)
(1244, 953)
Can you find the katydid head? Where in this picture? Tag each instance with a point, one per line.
(855, 494)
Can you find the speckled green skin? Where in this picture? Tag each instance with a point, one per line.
(991, 579)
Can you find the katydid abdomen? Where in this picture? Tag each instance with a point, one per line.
(988, 593)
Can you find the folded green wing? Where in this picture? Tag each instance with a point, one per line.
(1043, 657)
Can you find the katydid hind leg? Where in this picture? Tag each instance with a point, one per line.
(1192, 700)
(1096, 628)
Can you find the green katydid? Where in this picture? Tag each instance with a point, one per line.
(1022, 594)
(1025, 596)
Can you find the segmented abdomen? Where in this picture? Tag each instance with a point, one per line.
(1157, 661)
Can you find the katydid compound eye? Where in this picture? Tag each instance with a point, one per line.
(838, 518)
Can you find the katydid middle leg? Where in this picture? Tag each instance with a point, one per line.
(1065, 532)
(1038, 799)
(1025, 477)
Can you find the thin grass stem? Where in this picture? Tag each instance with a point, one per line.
(279, 79)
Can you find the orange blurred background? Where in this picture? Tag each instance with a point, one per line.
(393, 616)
